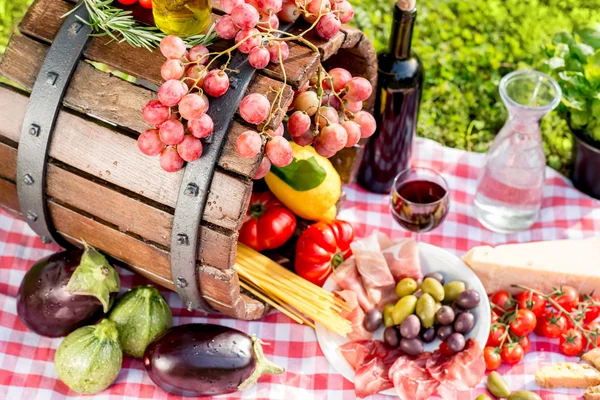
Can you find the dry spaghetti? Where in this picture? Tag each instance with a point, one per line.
(289, 293)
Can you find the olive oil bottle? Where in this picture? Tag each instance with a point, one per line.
(183, 18)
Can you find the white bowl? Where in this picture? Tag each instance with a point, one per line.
(433, 259)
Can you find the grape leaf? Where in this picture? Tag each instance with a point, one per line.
(301, 175)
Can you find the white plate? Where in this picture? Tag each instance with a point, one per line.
(432, 259)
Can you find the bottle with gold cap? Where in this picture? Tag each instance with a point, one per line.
(399, 88)
(183, 18)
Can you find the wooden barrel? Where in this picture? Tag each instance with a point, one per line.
(99, 186)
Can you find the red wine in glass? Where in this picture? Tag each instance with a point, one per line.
(419, 199)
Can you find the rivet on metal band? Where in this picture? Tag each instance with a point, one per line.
(44, 105)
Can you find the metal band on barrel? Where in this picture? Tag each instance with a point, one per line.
(195, 186)
(194, 189)
(44, 105)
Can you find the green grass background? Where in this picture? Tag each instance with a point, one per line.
(466, 47)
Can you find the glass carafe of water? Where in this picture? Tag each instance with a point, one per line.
(510, 186)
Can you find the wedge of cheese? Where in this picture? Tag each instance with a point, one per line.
(539, 265)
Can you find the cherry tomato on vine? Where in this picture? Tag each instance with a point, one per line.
(531, 301)
(594, 331)
(524, 322)
(568, 298)
(492, 358)
(146, 3)
(571, 342)
(503, 301)
(551, 324)
(512, 353)
(525, 344)
(127, 2)
(445, 350)
(494, 318)
(496, 335)
(592, 312)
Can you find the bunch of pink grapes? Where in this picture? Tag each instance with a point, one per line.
(250, 17)
(328, 112)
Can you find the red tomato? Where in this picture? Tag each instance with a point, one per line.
(551, 324)
(496, 336)
(571, 342)
(568, 298)
(594, 331)
(268, 223)
(492, 358)
(502, 302)
(321, 248)
(525, 343)
(146, 3)
(512, 353)
(127, 2)
(494, 318)
(531, 301)
(593, 311)
(524, 322)
(445, 350)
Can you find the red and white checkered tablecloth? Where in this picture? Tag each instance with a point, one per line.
(26, 367)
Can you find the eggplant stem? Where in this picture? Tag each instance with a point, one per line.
(263, 366)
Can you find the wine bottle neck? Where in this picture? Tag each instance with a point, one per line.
(402, 31)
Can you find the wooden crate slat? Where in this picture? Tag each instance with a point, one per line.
(116, 159)
(8, 196)
(43, 20)
(301, 64)
(114, 100)
(220, 287)
(128, 214)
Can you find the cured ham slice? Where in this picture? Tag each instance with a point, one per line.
(371, 378)
(461, 371)
(359, 352)
(411, 379)
(373, 268)
(347, 277)
(403, 260)
(383, 239)
(356, 316)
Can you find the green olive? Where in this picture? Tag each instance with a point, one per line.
(452, 290)
(497, 385)
(434, 288)
(524, 395)
(483, 397)
(425, 310)
(403, 308)
(406, 287)
(388, 320)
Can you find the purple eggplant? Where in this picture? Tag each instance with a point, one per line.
(66, 291)
(205, 360)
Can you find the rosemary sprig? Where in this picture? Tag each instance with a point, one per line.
(120, 26)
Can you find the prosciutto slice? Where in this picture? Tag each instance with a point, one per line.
(347, 277)
(371, 378)
(356, 316)
(411, 379)
(373, 268)
(461, 371)
(359, 352)
(403, 260)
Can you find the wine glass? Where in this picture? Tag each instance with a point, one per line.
(419, 199)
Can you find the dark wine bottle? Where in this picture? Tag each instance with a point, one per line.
(399, 88)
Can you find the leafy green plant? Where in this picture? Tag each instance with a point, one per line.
(574, 60)
(466, 48)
